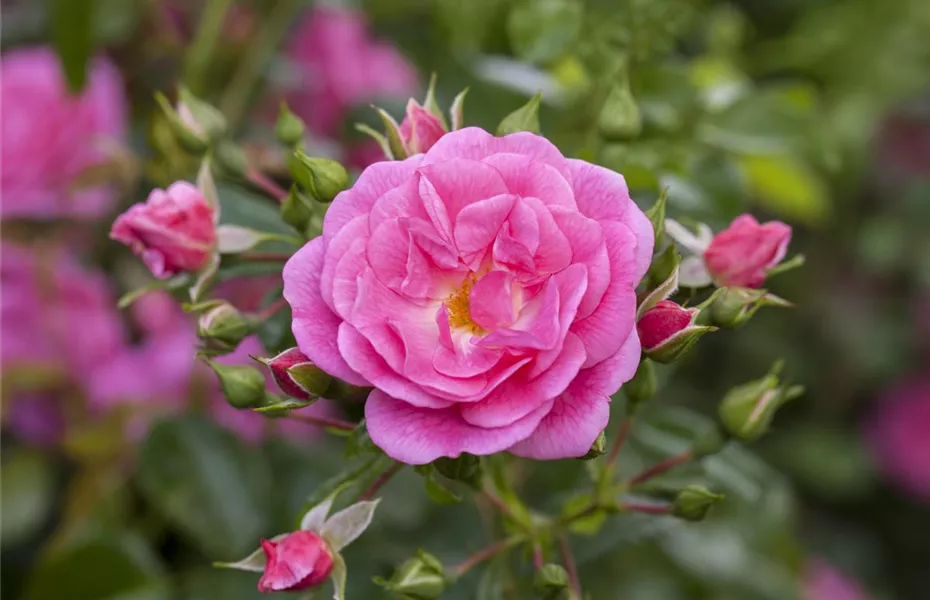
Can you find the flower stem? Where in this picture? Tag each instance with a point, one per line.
(265, 256)
(482, 555)
(269, 311)
(322, 421)
(622, 432)
(265, 183)
(666, 465)
(569, 561)
(200, 55)
(383, 478)
(651, 509)
(537, 556)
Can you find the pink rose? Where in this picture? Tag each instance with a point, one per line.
(298, 561)
(420, 128)
(49, 137)
(824, 582)
(741, 255)
(485, 288)
(898, 432)
(341, 66)
(173, 232)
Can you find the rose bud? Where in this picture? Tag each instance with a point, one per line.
(296, 376)
(242, 386)
(694, 502)
(223, 327)
(742, 254)
(298, 561)
(322, 178)
(747, 410)
(667, 330)
(420, 578)
(420, 128)
(735, 306)
(289, 128)
(173, 232)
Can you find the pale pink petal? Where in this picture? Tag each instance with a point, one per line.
(336, 248)
(491, 301)
(350, 267)
(460, 182)
(465, 359)
(479, 223)
(418, 436)
(314, 325)
(554, 252)
(536, 327)
(588, 247)
(527, 177)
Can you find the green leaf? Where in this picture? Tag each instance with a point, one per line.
(207, 484)
(212, 584)
(339, 575)
(26, 495)
(787, 187)
(439, 493)
(544, 30)
(72, 32)
(243, 208)
(525, 118)
(282, 407)
(656, 214)
(103, 568)
(127, 299)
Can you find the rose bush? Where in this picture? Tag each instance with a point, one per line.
(485, 289)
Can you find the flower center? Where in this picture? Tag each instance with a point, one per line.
(459, 310)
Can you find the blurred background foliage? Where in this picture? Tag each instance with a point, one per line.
(815, 112)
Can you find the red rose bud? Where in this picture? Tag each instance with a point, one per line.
(296, 376)
(420, 128)
(298, 561)
(743, 254)
(173, 232)
(666, 331)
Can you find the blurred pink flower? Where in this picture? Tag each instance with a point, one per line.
(49, 137)
(742, 254)
(824, 582)
(485, 288)
(341, 65)
(35, 419)
(899, 432)
(174, 231)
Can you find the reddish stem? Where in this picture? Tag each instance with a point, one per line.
(322, 421)
(651, 509)
(482, 555)
(271, 309)
(265, 183)
(666, 465)
(537, 556)
(569, 561)
(378, 483)
(265, 256)
(622, 432)
(497, 502)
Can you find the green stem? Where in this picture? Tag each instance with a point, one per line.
(236, 98)
(569, 561)
(200, 54)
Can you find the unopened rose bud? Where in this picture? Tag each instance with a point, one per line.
(173, 231)
(465, 467)
(420, 578)
(420, 128)
(550, 579)
(290, 128)
(736, 305)
(296, 209)
(641, 388)
(667, 330)
(296, 376)
(323, 178)
(184, 127)
(298, 561)
(747, 410)
(694, 502)
(742, 254)
(223, 327)
(243, 386)
(598, 447)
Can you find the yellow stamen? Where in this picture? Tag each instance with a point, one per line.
(458, 306)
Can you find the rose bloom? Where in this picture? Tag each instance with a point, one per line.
(485, 288)
(173, 232)
(297, 561)
(742, 254)
(340, 65)
(824, 582)
(50, 137)
(898, 432)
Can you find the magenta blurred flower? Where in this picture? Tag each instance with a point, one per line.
(49, 137)
(742, 254)
(420, 128)
(297, 561)
(486, 288)
(341, 66)
(898, 432)
(822, 581)
(35, 419)
(174, 231)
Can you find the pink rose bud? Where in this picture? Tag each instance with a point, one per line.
(297, 376)
(420, 128)
(742, 255)
(298, 561)
(173, 232)
(667, 330)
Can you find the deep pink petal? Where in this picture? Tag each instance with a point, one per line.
(336, 248)
(418, 436)
(458, 183)
(479, 223)
(554, 252)
(314, 325)
(491, 301)
(350, 267)
(527, 177)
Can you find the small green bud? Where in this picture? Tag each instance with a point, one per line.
(184, 128)
(222, 327)
(420, 578)
(598, 448)
(525, 118)
(735, 306)
(243, 387)
(694, 502)
(297, 210)
(203, 117)
(620, 118)
(290, 128)
(550, 580)
(747, 410)
(641, 388)
(465, 467)
(323, 178)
